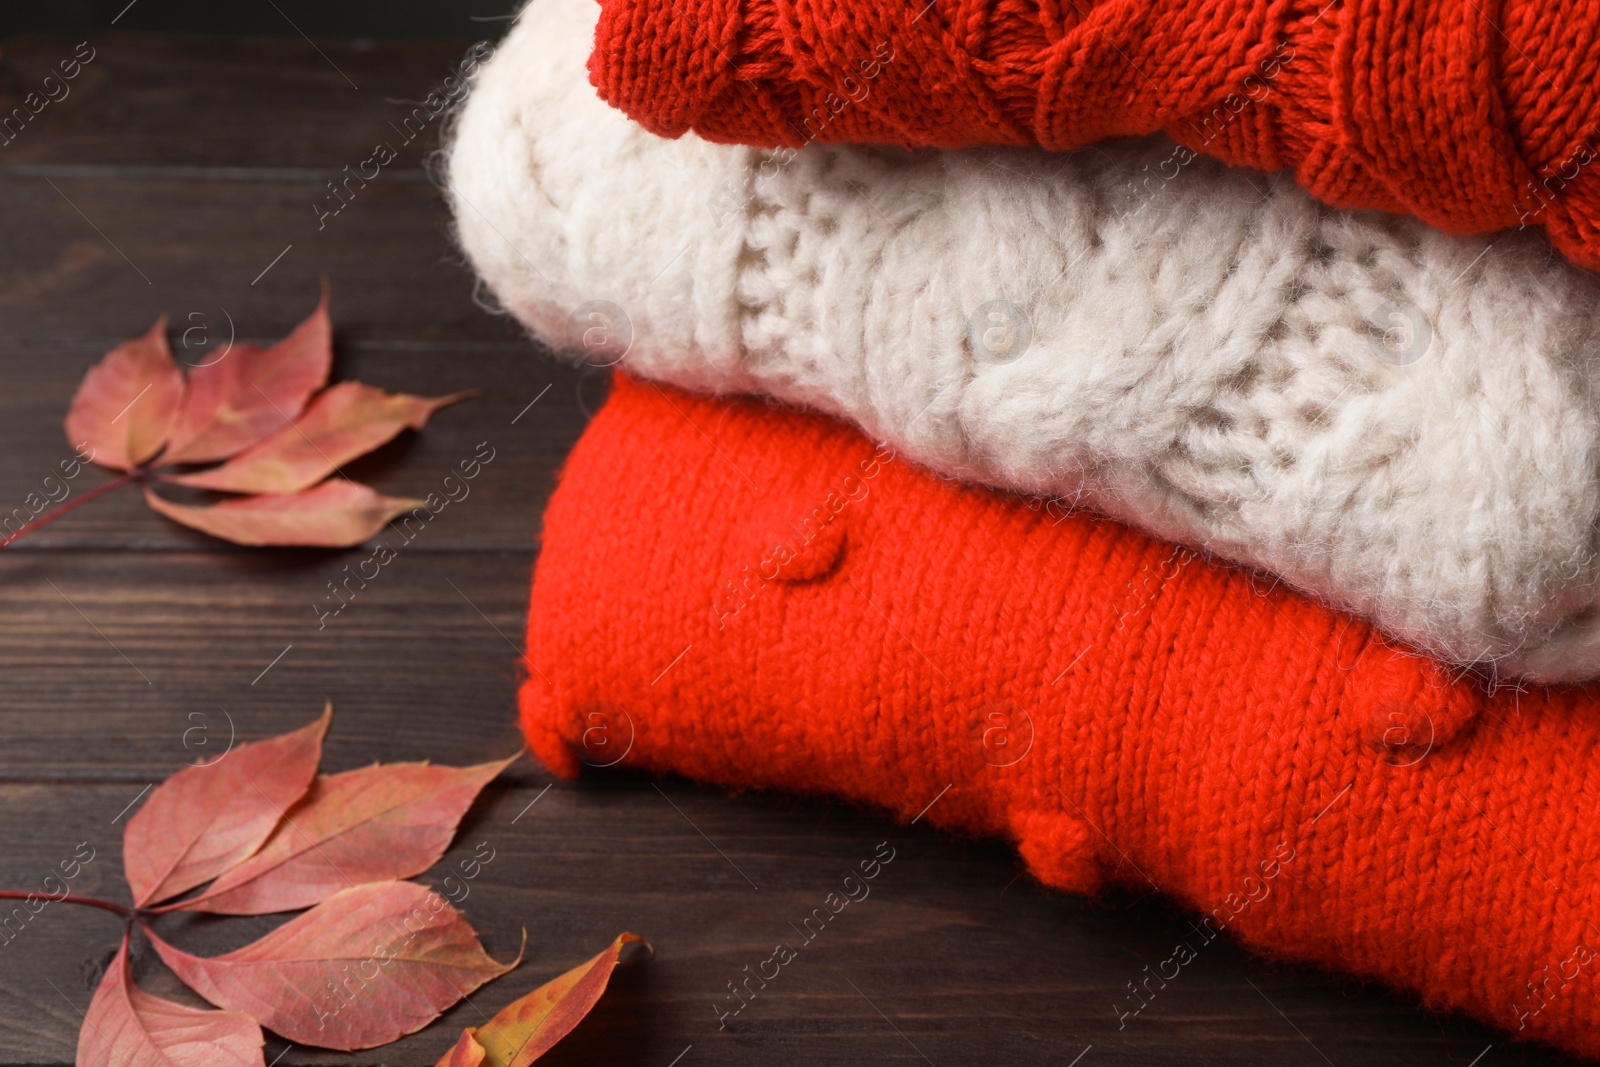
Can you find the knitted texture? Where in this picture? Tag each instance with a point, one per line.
(1200, 351)
(1470, 114)
(762, 598)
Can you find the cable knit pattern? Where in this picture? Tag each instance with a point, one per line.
(1474, 115)
(761, 598)
(1205, 355)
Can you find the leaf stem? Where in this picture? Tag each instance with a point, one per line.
(137, 474)
(70, 898)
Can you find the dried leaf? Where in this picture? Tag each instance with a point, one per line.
(368, 825)
(344, 421)
(530, 1026)
(206, 818)
(251, 392)
(125, 404)
(362, 968)
(335, 514)
(127, 1027)
(248, 408)
(466, 1052)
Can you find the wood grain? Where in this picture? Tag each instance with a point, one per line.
(166, 183)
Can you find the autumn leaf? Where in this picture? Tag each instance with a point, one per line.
(530, 1026)
(369, 825)
(372, 960)
(366, 966)
(251, 392)
(256, 412)
(127, 1027)
(126, 402)
(332, 515)
(206, 818)
(344, 421)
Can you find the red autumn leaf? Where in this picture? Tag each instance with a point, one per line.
(344, 421)
(127, 1027)
(206, 818)
(257, 410)
(365, 966)
(335, 514)
(251, 392)
(126, 402)
(530, 1026)
(362, 968)
(369, 825)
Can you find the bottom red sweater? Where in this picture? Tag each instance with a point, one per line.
(758, 597)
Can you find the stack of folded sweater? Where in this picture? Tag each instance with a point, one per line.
(1180, 523)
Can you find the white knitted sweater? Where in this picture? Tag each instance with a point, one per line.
(1401, 422)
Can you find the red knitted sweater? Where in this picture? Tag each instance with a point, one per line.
(1473, 115)
(761, 598)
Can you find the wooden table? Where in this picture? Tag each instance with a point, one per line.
(178, 177)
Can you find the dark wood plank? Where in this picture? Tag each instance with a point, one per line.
(107, 658)
(253, 104)
(283, 18)
(92, 260)
(177, 170)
